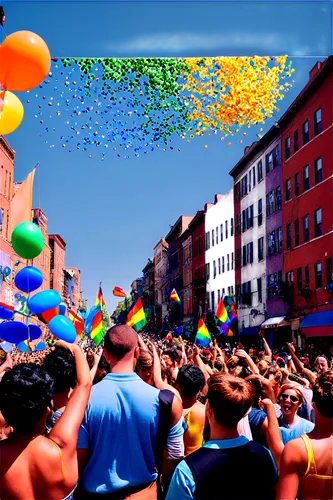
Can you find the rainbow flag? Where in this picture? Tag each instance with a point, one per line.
(136, 317)
(174, 296)
(100, 299)
(203, 337)
(77, 320)
(222, 313)
(118, 292)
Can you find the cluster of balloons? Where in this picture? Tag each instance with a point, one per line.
(25, 61)
(28, 242)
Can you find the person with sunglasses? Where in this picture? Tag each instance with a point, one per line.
(291, 425)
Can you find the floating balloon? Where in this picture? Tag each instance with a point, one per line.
(40, 346)
(62, 328)
(23, 346)
(5, 271)
(14, 332)
(24, 61)
(12, 112)
(62, 309)
(28, 279)
(27, 240)
(44, 301)
(6, 313)
(34, 332)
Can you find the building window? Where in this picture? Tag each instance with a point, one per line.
(260, 212)
(260, 176)
(238, 223)
(288, 236)
(295, 141)
(244, 186)
(279, 239)
(221, 229)
(317, 122)
(217, 235)
(226, 229)
(271, 244)
(231, 226)
(296, 184)
(237, 192)
(238, 258)
(228, 262)
(222, 264)
(296, 226)
(306, 178)
(254, 176)
(261, 249)
(207, 270)
(214, 268)
(259, 285)
(246, 293)
(244, 255)
(307, 276)
(244, 225)
(218, 295)
(306, 233)
(318, 275)
(223, 292)
(219, 264)
(276, 156)
(250, 175)
(270, 203)
(208, 240)
(232, 260)
(249, 253)
(305, 132)
(329, 273)
(269, 162)
(288, 189)
(278, 198)
(213, 237)
(290, 276)
(213, 300)
(299, 279)
(1, 219)
(287, 146)
(232, 290)
(318, 170)
(317, 221)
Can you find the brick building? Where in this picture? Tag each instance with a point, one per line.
(307, 169)
(175, 269)
(160, 281)
(187, 292)
(197, 231)
(72, 287)
(57, 262)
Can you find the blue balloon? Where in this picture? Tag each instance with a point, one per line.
(6, 313)
(61, 327)
(14, 332)
(23, 347)
(28, 279)
(34, 332)
(40, 346)
(62, 309)
(44, 301)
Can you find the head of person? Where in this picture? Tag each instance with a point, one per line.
(274, 376)
(26, 394)
(290, 399)
(321, 364)
(229, 400)
(206, 356)
(258, 386)
(190, 381)
(121, 345)
(60, 365)
(171, 357)
(323, 394)
(238, 367)
(144, 366)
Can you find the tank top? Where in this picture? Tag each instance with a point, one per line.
(312, 485)
(195, 432)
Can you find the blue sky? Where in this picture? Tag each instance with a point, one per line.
(112, 213)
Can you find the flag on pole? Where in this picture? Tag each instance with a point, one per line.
(93, 324)
(222, 313)
(136, 317)
(100, 299)
(118, 292)
(203, 337)
(174, 296)
(21, 203)
(77, 320)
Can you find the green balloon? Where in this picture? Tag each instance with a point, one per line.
(27, 240)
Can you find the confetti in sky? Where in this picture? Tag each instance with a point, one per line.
(132, 106)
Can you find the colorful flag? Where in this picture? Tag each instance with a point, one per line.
(21, 203)
(118, 292)
(136, 317)
(46, 316)
(77, 320)
(100, 299)
(174, 296)
(222, 313)
(203, 337)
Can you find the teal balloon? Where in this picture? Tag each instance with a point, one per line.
(62, 309)
(14, 332)
(28, 279)
(62, 328)
(40, 346)
(6, 313)
(27, 240)
(34, 332)
(44, 301)
(23, 347)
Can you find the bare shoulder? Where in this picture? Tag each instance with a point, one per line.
(295, 453)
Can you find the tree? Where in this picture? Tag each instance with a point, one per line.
(106, 319)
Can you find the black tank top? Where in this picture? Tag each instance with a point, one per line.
(243, 473)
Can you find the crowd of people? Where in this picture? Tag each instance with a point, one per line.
(145, 418)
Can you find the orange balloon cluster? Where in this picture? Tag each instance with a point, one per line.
(25, 61)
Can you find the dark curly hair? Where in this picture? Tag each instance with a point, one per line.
(60, 365)
(26, 392)
(323, 394)
(190, 380)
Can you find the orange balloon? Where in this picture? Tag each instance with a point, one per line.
(25, 61)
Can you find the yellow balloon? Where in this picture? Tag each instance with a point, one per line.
(11, 114)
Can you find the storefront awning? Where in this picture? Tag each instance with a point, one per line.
(275, 322)
(324, 318)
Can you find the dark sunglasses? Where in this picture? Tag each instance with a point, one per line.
(285, 397)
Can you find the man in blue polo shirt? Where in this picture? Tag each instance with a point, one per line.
(117, 442)
(228, 466)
